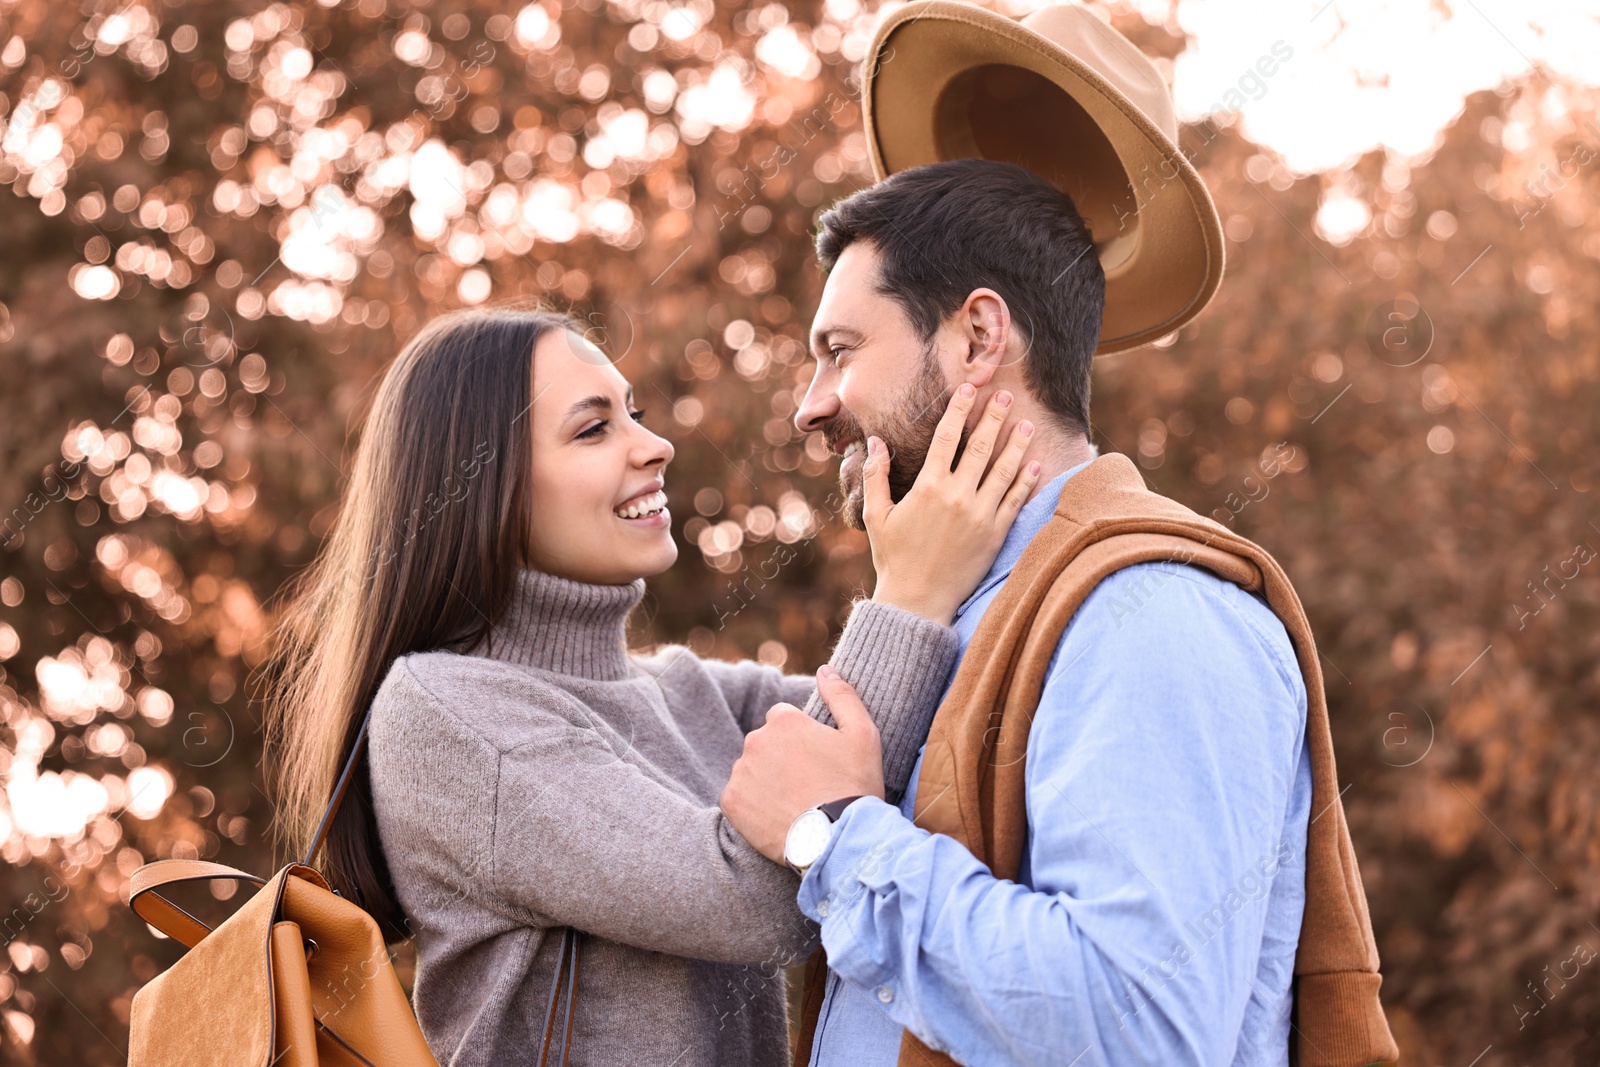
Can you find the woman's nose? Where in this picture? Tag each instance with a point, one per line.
(655, 450)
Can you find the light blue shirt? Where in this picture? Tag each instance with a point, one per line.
(1157, 910)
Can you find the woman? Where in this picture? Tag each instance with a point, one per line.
(524, 773)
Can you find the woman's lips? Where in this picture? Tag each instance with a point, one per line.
(659, 520)
(647, 511)
(641, 505)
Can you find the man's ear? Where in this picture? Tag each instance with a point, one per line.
(986, 323)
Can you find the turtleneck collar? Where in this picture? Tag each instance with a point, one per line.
(568, 627)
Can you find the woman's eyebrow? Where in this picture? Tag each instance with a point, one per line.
(601, 402)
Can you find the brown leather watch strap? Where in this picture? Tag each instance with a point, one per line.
(835, 808)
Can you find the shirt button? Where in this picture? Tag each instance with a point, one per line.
(822, 907)
(885, 994)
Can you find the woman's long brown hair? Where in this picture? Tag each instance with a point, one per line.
(423, 556)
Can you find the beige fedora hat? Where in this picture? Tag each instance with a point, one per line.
(1066, 96)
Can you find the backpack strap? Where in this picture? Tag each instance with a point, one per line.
(154, 908)
(339, 788)
(161, 913)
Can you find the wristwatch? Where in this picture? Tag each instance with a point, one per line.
(810, 832)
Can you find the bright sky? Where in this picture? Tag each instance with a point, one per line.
(1365, 74)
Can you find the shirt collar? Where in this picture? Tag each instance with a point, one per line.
(1030, 520)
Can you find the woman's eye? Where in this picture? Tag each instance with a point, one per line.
(599, 428)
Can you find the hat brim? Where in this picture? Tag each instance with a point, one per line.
(1154, 225)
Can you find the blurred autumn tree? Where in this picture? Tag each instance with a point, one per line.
(225, 218)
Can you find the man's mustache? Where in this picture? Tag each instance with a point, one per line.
(841, 430)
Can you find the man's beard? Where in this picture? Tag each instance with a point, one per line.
(907, 431)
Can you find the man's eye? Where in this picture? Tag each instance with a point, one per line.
(836, 352)
(594, 431)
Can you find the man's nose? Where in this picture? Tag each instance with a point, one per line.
(820, 403)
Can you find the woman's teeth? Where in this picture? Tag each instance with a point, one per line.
(644, 506)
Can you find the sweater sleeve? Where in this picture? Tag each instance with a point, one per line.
(580, 837)
(897, 661)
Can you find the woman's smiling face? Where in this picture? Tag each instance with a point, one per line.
(599, 509)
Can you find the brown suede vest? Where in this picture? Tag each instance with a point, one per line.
(971, 786)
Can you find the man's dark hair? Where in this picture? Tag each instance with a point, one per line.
(945, 229)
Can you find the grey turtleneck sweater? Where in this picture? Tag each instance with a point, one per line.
(549, 778)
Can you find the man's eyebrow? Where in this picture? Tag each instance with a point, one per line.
(821, 334)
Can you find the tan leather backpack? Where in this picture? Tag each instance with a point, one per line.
(298, 976)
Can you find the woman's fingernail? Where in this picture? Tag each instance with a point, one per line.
(1002, 399)
(1033, 469)
(1026, 429)
(967, 390)
(826, 671)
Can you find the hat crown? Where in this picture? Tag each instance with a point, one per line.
(1064, 95)
(1081, 34)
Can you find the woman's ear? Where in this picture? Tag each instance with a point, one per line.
(986, 322)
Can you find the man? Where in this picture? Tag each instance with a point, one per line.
(918, 936)
(1156, 910)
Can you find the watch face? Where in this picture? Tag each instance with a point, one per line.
(808, 836)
